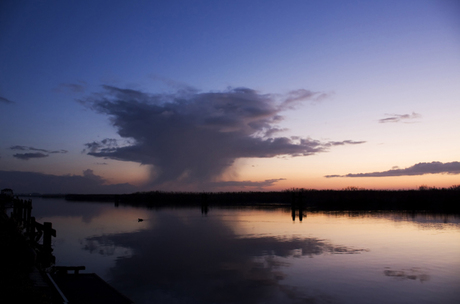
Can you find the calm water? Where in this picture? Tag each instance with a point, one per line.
(259, 256)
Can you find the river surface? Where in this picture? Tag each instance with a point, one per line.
(185, 255)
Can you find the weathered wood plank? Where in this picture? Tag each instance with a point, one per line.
(87, 288)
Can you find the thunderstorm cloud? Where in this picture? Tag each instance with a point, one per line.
(193, 137)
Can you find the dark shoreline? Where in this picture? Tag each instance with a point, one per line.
(432, 200)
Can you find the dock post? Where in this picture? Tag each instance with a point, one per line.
(20, 215)
(31, 233)
(27, 216)
(48, 232)
(14, 214)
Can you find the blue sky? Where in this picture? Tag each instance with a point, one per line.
(376, 81)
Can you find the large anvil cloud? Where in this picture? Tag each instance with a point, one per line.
(190, 136)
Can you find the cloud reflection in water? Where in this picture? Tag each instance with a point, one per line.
(204, 261)
(407, 274)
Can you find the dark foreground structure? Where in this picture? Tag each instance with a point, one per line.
(28, 272)
(84, 288)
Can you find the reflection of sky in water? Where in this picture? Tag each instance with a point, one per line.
(259, 256)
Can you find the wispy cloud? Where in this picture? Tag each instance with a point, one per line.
(106, 145)
(293, 97)
(189, 136)
(27, 156)
(71, 87)
(344, 142)
(40, 153)
(417, 169)
(399, 117)
(5, 100)
(247, 184)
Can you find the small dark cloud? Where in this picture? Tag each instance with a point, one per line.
(21, 148)
(26, 148)
(399, 117)
(89, 174)
(300, 95)
(27, 156)
(40, 153)
(192, 137)
(271, 131)
(87, 183)
(5, 100)
(417, 169)
(71, 87)
(106, 146)
(58, 152)
(341, 143)
(244, 184)
(174, 84)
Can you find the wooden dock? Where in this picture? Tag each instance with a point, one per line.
(54, 281)
(86, 288)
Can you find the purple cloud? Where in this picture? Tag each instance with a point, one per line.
(417, 169)
(88, 183)
(27, 156)
(192, 137)
(249, 184)
(39, 154)
(399, 117)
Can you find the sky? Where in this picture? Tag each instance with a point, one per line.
(125, 96)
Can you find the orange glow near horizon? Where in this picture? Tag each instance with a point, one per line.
(308, 174)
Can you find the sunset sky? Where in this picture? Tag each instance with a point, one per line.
(125, 96)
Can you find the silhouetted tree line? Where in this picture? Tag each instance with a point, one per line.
(424, 199)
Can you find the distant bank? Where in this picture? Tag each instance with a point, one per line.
(432, 200)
